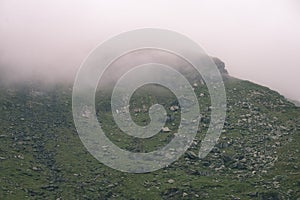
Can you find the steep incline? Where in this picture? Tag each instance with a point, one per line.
(257, 156)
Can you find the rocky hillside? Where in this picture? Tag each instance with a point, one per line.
(42, 157)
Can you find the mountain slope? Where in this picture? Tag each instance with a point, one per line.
(41, 155)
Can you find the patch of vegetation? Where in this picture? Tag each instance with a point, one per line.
(42, 157)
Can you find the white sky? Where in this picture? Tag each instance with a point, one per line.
(259, 40)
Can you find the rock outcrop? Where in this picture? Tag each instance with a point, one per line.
(221, 65)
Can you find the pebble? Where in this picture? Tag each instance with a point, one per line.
(171, 181)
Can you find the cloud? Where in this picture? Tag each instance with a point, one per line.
(258, 39)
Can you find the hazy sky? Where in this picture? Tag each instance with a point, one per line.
(259, 40)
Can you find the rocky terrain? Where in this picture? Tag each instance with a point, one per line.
(42, 157)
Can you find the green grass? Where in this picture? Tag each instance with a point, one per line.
(47, 139)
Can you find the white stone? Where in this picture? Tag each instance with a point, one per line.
(171, 181)
(166, 129)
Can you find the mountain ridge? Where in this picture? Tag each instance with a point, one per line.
(256, 157)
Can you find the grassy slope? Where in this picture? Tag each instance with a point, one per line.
(43, 157)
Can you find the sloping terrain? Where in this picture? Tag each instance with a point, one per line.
(42, 157)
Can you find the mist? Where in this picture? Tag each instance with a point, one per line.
(257, 39)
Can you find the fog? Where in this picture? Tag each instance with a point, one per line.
(259, 40)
